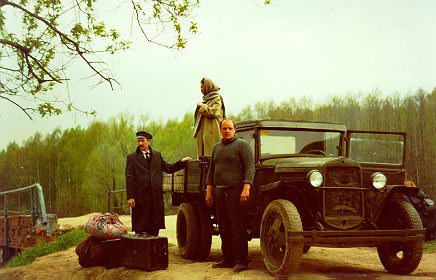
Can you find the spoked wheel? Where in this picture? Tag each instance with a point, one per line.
(187, 231)
(400, 257)
(280, 256)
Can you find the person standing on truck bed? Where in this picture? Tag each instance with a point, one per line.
(207, 117)
(144, 185)
(230, 176)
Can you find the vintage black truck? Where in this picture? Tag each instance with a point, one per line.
(316, 184)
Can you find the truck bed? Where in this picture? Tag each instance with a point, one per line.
(193, 177)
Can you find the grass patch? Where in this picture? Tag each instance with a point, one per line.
(430, 246)
(60, 243)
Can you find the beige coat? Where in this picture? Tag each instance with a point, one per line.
(209, 131)
(207, 119)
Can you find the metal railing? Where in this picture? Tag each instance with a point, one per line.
(45, 221)
(109, 207)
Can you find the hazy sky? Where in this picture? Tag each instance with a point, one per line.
(255, 53)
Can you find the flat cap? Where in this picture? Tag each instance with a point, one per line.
(143, 134)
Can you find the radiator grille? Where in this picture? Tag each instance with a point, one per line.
(342, 177)
(341, 203)
(343, 207)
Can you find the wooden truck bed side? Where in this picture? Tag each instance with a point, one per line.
(195, 172)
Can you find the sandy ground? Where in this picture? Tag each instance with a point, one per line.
(318, 263)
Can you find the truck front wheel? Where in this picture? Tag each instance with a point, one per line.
(280, 256)
(187, 231)
(400, 257)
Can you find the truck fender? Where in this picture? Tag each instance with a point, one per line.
(395, 192)
(269, 186)
(292, 194)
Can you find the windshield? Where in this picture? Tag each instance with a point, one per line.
(275, 143)
(376, 148)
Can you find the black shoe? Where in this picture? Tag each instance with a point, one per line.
(223, 264)
(239, 267)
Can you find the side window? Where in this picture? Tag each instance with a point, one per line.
(376, 147)
(247, 135)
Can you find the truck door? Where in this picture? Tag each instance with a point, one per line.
(378, 151)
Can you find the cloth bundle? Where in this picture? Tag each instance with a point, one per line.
(105, 226)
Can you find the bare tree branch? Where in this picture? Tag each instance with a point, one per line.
(15, 45)
(27, 54)
(64, 38)
(18, 105)
(143, 31)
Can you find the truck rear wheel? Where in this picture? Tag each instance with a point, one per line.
(400, 257)
(187, 231)
(280, 256)
(205, 230)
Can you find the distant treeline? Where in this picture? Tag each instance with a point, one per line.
(77, 167)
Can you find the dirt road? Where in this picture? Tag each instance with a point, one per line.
(318, 263)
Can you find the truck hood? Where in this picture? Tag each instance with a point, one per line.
(298, 164)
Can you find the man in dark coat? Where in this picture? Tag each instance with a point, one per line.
(144, 180)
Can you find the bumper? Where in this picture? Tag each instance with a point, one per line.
(354, 238)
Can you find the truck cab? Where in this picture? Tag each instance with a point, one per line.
(316, 184)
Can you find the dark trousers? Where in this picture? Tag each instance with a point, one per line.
(144, 219)
(144, 215)
(232, 224)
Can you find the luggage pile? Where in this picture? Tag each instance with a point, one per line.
(109, 245)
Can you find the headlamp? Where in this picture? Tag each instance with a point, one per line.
(378, 180)
(315, 178)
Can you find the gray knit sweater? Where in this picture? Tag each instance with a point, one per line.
(232, 164)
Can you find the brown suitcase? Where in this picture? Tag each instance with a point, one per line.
(145, 253)
(112, 253)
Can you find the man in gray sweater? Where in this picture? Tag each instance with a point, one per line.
(230, 176)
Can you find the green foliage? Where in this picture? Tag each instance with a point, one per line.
(47, 108)
(40, 35)
(174, 139)
(85, 164)
(106, 162)
(60, 243)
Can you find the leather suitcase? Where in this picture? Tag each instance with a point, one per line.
(112, 253)
(145, 253)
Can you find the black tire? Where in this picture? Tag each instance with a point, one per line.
(280, 256)
(205, 230)
(187, 231)
(400, 257)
